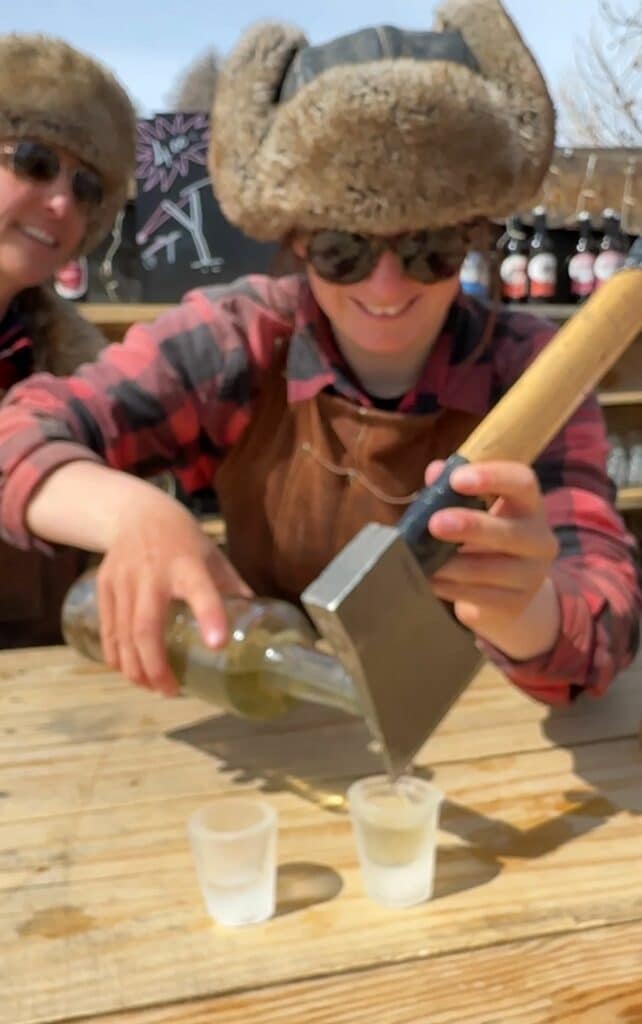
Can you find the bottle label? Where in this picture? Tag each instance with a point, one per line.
(513, 276)
(542, 273)
(607, 264)
(581, 273)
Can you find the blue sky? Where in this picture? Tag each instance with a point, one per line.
(149, 44)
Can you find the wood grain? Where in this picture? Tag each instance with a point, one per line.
(99, 907)
(589, 977)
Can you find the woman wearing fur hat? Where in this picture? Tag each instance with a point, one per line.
(66, 152)
(319, 401)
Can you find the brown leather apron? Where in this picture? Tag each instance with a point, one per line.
(304, 478)
(32, 589)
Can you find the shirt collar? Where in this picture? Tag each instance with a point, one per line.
(453, 377)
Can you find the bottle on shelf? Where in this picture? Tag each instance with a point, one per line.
(474, 275)
(514, 248)
(542, 261)
(270, 662)
(581, 263)
(613, 249)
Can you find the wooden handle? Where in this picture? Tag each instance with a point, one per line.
(532, 412)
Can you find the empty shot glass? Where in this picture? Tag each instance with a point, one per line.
(395, 829)
(233, 840)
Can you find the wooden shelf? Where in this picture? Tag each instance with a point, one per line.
(629, 498)
(122, 314)
(552, 311)
(607, 398)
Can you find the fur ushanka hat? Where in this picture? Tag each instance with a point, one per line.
(382, 131)
(54, 93)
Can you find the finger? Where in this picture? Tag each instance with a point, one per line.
(485, 532)
(513, 481)
(193, 584)
(129, 661)
(487, 601)
(107, 620)
(150, 619)
(490, 570)
(433, 469)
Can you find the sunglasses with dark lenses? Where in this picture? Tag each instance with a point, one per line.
(38, 162)
(427, 256)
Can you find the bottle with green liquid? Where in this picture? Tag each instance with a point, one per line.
(270, 662)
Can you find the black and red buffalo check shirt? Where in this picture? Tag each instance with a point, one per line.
(176, 394)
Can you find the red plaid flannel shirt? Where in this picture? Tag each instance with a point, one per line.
(178, 393)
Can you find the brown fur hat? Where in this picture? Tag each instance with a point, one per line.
(52, 92)
(383, 131)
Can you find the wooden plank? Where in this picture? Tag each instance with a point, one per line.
(122, 314)
(629, 498)
(100, 907)
(589, 977)
(50, 697)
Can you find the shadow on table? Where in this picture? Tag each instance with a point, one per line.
(602, 738)
(302, 884)
(317, 752)
(312, 752)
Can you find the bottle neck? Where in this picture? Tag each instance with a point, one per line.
(309, 675)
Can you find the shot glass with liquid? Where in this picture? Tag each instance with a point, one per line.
(395, 828)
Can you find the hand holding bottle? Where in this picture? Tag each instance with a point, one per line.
(159, 553)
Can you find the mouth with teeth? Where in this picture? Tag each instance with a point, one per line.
(38, 235)
(385, 312)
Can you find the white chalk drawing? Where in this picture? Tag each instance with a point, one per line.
(106, 270)
(191, 221)
(166, 146)
(166, 243)
(167, 149)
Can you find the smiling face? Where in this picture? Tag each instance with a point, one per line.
(388, 313)
(41, 226)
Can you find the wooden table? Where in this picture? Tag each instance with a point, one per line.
(537, 913)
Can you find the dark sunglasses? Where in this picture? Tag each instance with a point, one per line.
(38, 162)
(428, 256)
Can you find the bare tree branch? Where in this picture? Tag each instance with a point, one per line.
(600, 102)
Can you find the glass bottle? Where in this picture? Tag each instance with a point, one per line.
(581, 263)
(269, 663)
(513, 266)
(474, 275)
(542, 261)
(613, 248)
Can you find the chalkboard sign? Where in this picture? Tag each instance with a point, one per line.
(111, 272)
(183, 239)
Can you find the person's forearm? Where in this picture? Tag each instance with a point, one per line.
(82, 504)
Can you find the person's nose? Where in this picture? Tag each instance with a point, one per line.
(388, 275)
(59, 196)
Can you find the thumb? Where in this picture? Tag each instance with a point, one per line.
(433, 469)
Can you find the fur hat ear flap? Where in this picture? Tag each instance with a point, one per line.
(503, 59)
(245, 104)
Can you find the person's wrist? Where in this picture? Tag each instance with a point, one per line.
(147, 506)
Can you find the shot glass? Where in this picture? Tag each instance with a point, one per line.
(234, 845)
(395, 829)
